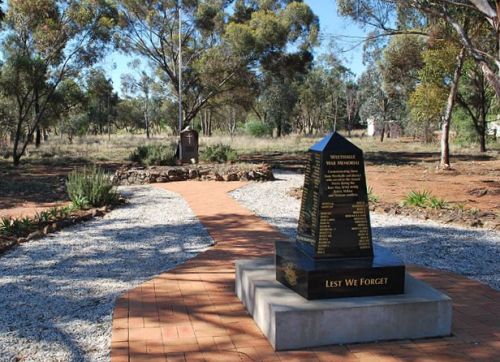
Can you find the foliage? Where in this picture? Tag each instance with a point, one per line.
(417, 198)
(424, 199)
(223, 44)
(154, 155)
(91, 186)
(437, 203)
(257, 128)
(21, 226)
(219, 153)
(46, 42)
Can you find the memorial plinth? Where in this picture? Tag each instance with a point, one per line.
(291, 322)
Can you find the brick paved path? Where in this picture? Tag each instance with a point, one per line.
(192, 314)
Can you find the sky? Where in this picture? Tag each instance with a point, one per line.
(344, 31)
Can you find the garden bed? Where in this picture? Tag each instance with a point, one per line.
(138, 175)
(34, 229)
(453, 214)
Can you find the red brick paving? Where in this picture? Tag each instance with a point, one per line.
(192, 314)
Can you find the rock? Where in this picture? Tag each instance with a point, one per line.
(232, 176)
(476, 223)
(192, 174)
(34, 235)
(218, 177)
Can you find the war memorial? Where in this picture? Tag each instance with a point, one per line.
(333, 285)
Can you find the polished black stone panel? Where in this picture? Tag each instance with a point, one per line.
(347, 277)
(334, 219)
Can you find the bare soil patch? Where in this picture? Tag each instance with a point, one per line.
(473, 181)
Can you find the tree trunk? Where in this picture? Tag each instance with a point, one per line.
(382, 133)
(445, 129)
(482, 142)
(38, 137)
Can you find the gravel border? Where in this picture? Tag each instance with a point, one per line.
(57, 294)
(470, 252)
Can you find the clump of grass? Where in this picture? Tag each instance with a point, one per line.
(91, 186)
(154, 155)
(437, 203)
(371, 195)
(460, 206)
(219, 153)
(424, 199)
(417, 198)
(15, 226)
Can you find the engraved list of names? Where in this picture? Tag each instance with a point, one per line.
(343, 218)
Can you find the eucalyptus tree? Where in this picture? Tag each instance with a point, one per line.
(224, 43)
(476, 98)
(101, 101)
(140, 84)
(486, 53)
(45, 42)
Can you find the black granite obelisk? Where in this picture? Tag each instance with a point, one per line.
(333, 255)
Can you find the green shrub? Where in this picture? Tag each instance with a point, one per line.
(219, 153)
(90, 187)
(154, 155)
(417, 198)
(424, 199)
(437, 203)
(257, 128)
(15, 226)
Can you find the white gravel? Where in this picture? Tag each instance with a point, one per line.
(472, 253)
(57, 294)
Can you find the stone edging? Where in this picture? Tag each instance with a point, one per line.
(132, 175)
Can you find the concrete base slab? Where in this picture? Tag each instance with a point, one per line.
(290, 322)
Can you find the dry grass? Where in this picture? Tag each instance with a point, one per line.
(118, 147)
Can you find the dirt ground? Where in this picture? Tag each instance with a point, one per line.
(473, 180)
(34, 187)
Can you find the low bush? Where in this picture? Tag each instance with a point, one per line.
(154, 155)
(257, 128)
(437, 203)
(15, 226)
(424, 199)
(417, 198)
(91, 186)
(219, 153)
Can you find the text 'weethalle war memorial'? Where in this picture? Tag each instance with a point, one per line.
(333, 285)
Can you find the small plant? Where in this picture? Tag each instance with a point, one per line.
(42, 217)
(91, 184)
(80, 202)
(219, 153)
(437, 203)
(371, 196)
(460, 206)
(15, 226)
(417, 198)
(6, 225)
(474, 211)
(154, 155)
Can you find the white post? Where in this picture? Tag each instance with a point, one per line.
(179, 5)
